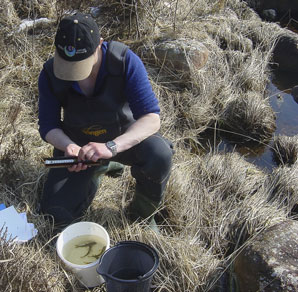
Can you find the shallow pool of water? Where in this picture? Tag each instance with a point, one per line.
(286, 109)
(285, 106)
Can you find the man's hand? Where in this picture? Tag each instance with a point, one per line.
(73, 150)
(94, 151)
(59, 140)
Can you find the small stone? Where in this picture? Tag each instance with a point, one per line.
(269, 14)
(95, 11)
(295, 93)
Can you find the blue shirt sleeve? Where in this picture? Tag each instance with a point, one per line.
(49, 108)
(138, 89)
(138, 92)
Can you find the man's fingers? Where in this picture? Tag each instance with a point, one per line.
(95, 157)
(78, 167)
(88, 155)
(72, 168)
(94, 151)
(83, 152)
(89, 152)
(84, 166)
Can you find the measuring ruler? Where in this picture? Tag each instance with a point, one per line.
(68, 161)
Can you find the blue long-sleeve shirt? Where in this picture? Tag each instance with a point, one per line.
(138, 92)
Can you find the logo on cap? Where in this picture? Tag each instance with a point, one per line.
(69, 51)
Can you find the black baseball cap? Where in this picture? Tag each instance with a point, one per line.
(76, 40)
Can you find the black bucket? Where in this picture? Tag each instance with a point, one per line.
(128, 267)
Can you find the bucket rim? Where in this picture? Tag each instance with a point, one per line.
(131, 242)
(76, 266)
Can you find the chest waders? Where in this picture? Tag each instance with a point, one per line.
(101, 118)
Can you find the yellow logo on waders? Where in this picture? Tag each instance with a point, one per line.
(94, 131)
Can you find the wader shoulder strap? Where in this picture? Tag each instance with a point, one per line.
(58, 86)
(115, 65)
(116, 58)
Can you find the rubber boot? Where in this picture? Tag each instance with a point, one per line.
(112, 169)
(100, 171)
(141, 207)
(115, 169)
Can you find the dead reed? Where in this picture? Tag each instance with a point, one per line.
(28, 268)
(285, 149)
(215, 202)
(282, 187)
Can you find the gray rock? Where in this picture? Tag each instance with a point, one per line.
(285, 53)
(269, 14)
(95, 11)
(295, 93)
(282, 7)
(182, 54)
(270, 262)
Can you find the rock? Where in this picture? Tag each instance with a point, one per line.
(270, 262)
(295, 93)
(285, 53)
(95, 11)
(182, 54)
(269, 14)
(281, 7)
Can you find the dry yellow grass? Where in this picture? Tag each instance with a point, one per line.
(215, 202)
(285, 149)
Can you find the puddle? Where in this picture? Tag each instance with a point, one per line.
(286, 109)
(284, 104)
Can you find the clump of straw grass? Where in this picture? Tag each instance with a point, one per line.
(213, 185)
(285, 149)
(248, 119)
(214, 202)
(282, 187)
(28, 268)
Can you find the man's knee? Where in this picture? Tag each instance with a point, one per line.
(60, 215)
(161, 161)
(156, 156)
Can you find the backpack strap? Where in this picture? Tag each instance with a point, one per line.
(116, 53)
(116, 58)
(58, 86)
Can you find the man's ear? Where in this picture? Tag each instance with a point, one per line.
(100, 42)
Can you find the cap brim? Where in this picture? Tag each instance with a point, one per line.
(72, 71)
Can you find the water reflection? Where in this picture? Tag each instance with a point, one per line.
(286, 109)
(284, 81)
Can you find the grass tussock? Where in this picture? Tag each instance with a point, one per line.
(285, 149)
(219, 188)
(215, 202)
(248, 119)
(283, 187)
(28, 268)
